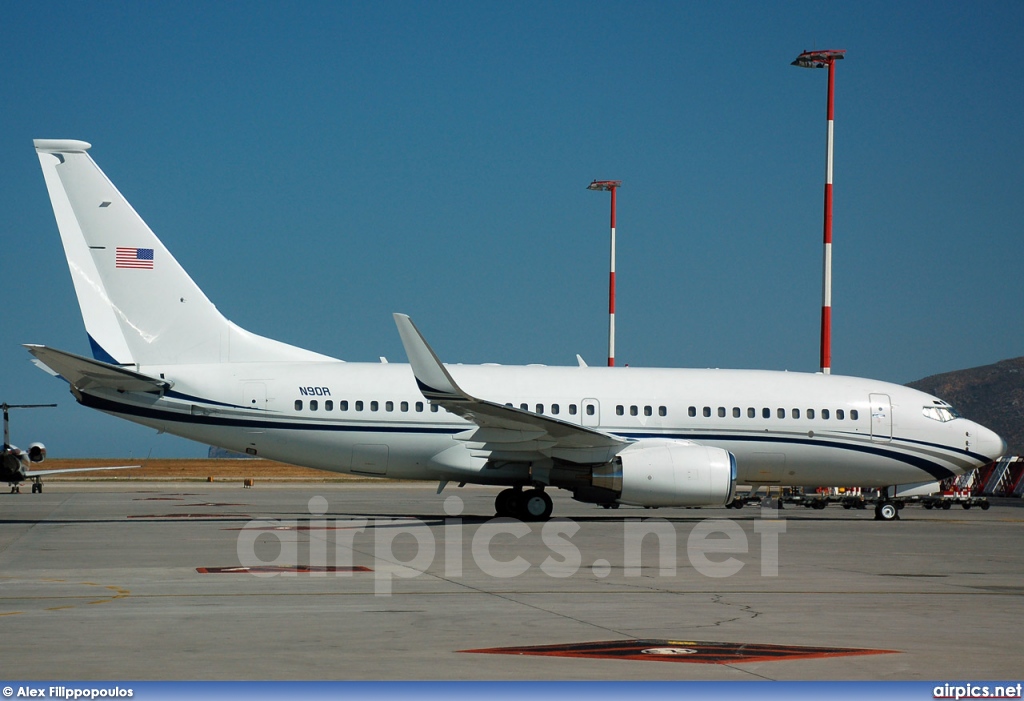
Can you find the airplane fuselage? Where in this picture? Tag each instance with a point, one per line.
(363, 418)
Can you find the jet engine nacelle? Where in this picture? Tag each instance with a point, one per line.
(670, 473)
(37, 452)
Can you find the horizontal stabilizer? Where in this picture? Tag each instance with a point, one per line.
(86, 373)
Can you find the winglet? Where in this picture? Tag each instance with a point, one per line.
(433, 379)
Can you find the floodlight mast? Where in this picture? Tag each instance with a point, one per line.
(611, 186)
(825, 59)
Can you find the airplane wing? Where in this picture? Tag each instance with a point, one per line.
(64, 470)
(502, 428)
(85, 373)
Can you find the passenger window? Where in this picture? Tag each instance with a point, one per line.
(359, 405)
(554, 409)
(434, 408)
(343, 405)
(692, 411)
(662, 411)
(824, 413)
(572, 410)
(619, 410)
(313, 405)
(751, 412)
(721, 412)
(840, 414)
(390, 406)
(404, 406)
(633, 410)
(540, 408)
(707, 412)
(810, 413)
(796, 413)
(648, 411)
(736, 412)
(590, 409)
(419, 406)
(766, 413)
(374, 405)
(298, 405)
(328, 405)
(854, 415)
(524, 406)
(781, 413)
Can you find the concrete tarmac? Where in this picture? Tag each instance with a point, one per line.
(147, 581)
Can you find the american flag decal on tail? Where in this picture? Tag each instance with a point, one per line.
(141, 258)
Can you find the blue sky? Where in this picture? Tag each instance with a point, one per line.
(318, 166)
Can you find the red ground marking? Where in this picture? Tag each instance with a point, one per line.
(682, 651)
(267, 569)
(212, 504)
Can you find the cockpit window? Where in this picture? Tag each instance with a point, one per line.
(940, 413)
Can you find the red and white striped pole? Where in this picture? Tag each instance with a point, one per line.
(610, 185)
(825, 59)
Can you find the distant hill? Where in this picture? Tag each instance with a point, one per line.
(992, 395)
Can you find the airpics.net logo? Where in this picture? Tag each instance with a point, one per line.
(407, 548)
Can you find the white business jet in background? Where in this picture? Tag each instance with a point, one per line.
(165, 357)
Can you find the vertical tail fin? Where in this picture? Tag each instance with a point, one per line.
(138, 304)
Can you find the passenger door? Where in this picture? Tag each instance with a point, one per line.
(881, 418)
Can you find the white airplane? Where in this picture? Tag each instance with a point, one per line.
(165, 357)
(16, 465)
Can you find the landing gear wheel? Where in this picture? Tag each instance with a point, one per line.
(506, 504)
(886, 511)
(37, 488)
(536, 506)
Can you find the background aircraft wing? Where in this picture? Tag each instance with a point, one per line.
(62, 470)
(501, 427)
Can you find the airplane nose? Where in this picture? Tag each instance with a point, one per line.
(989, 443)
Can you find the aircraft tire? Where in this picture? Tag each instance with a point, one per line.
(506, 503)
(886, 511)
(535, 505)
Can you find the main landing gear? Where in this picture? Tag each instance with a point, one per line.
(531, 505)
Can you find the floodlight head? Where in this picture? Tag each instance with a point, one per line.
(604, 184)
(818, 59)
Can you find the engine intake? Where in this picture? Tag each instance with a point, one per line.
(37, 452)
(669, 473)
